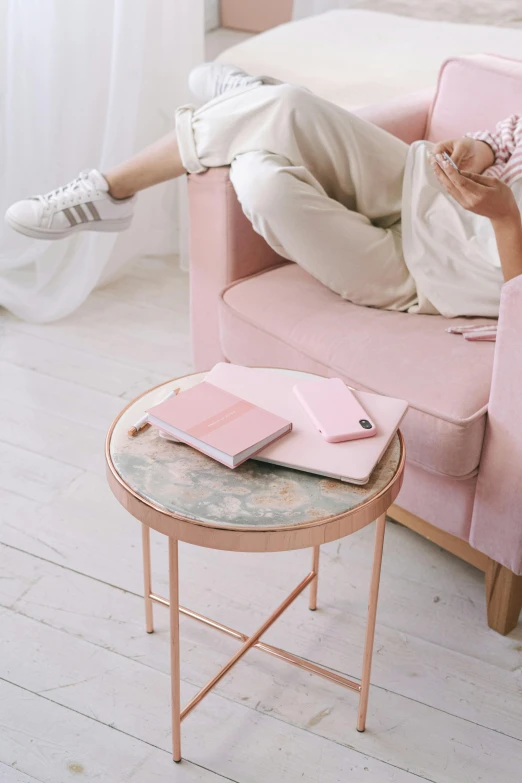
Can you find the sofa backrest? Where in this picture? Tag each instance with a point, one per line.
(473, 93)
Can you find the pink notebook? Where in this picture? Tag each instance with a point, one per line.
(304, 448)
(225, 427)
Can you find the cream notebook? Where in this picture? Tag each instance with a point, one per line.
(304, 448)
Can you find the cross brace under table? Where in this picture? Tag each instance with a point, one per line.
(254, 640)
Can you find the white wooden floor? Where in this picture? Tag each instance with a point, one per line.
(84, 691)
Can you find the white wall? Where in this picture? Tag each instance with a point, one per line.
(211, 14)
(304, 8)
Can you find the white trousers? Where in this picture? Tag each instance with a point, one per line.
(321, 185)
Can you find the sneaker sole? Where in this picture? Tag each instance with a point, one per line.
(49, 233)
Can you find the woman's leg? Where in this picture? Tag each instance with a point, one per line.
(353, 166)
(319, 184)
(157, 163)
(341, 248)
(95, 202)
(322, 186)
(356, 163)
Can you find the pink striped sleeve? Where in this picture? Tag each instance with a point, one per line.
(504, 139)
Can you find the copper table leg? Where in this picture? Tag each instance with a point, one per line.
(313, 587)
(174, 649)
(370, 623)
(147, 582)
(254, 641)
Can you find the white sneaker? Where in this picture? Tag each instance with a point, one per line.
(209, 80)
(84, 204)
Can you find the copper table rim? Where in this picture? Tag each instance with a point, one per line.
(241, 529)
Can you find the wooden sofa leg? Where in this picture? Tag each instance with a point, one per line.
(503, 596)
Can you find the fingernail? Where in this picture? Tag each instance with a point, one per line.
(440, 158)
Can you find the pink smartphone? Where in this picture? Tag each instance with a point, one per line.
(335, 410)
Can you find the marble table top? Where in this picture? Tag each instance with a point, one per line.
(180, 480)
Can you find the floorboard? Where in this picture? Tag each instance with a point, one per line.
(45, 741)
(85, 690)
(403, 664)
(112, 619)
(10, 774)
(231, 737)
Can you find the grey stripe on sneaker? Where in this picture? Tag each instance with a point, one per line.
(70, 217)
(92, 209)
(81, 214)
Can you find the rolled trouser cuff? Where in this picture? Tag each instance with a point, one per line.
(186, 141)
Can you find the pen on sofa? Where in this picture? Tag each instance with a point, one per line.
(143, 424)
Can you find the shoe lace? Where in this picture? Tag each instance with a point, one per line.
(70, 193)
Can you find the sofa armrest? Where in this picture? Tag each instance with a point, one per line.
(223, 247)
(496, 526)
(405, 116)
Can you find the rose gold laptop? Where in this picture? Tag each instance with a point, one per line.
(304, 448)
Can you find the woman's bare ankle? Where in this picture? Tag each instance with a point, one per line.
(117, 189)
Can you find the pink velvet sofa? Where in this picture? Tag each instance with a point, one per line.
(463, 430)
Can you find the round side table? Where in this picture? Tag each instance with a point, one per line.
(258, 507)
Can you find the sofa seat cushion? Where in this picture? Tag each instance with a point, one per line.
(356, 57)
(284, 317)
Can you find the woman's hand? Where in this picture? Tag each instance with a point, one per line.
(468, 154)
(493, 199)
(485, 196)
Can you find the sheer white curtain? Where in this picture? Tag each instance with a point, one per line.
(83, 84)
